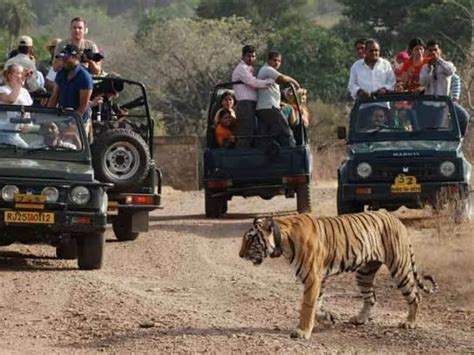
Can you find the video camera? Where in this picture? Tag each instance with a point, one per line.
(90, 55)
(108, 85)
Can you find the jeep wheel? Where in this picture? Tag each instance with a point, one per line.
(66, 248)
(90, 250)
(121, 157)
(303, 199)
(122, 226)
(346, 207)
(214, 206)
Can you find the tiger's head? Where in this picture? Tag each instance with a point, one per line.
(262, 240)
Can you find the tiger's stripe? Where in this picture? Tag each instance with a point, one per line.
(321, 247)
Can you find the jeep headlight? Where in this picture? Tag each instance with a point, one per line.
(364, 170)
(51, 193)
(9, 192)
(447, 168)
(80, 195)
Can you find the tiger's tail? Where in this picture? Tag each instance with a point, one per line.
(419, 280)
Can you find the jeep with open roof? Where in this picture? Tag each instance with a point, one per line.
(403, 150)
(122, 154)
(266, 169)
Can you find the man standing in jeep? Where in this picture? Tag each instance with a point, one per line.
(73, 85)
(78, 33)
(268, 104)
(246, 95)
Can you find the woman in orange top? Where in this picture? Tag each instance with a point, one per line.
(411, 69)
(224, 133)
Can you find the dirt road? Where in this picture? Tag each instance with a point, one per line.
(183, 288)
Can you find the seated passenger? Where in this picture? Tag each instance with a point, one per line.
(13, 91)
(224, 130)
(26, 59)
(378, 121)
(290, 99)
(52, 137)
(226, 102)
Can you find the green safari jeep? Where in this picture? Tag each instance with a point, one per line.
(48, 190)
(266, 171)
(404, 150)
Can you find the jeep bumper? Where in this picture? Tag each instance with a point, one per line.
(382, 194)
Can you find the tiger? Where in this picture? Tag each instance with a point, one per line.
(322, 247)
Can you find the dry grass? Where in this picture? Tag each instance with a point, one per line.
(449, 258)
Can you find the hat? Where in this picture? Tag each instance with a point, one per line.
(69, 49)
(403, 56)
(26, 41)
(54, 42)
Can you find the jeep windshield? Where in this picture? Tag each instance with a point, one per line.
(32, 131)
(403, 117)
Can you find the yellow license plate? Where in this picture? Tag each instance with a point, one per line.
(28, 217)
(30, 198)
(405, 184)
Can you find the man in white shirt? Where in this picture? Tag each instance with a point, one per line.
(372, 74)
(246, 95)
(436, 77)
(369, 76)
(269, 114)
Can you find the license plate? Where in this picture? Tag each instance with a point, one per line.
(30, 198)
(405, 184)
(28, 217)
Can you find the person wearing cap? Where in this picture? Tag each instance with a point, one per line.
(411, 69)
(78, 31)
(46, 66)
(73, 85)
(25, 58)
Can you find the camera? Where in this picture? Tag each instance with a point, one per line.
(108, 85)
(90, 55)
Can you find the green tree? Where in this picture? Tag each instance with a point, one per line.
(262, 12)
(316, 57)
(395, 23)
(17, 16)
(185, 58)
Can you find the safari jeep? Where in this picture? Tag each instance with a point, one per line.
(266, 171)
(403, 150)
(48, 191)
(122, 154)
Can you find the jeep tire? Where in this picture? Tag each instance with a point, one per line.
(214, 206)
(303, 198)
(90, 250)
(346, 207)
(122, 226)
(122, 157)
(66, 248)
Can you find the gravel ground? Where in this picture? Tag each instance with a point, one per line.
(182, 288)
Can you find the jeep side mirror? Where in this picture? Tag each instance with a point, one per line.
(341, 133)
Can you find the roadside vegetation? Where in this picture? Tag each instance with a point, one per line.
(180, 49)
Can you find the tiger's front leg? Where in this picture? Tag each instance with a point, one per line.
(308, 307)
(323, 316)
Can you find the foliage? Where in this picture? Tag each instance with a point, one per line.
(395, 23)
(315, 57)
(17, 17)
(324, 119)
(189, 58)
(262, 12)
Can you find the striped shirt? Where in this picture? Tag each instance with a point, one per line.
(455, 87)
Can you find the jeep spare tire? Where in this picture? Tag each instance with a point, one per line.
(121, 157)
